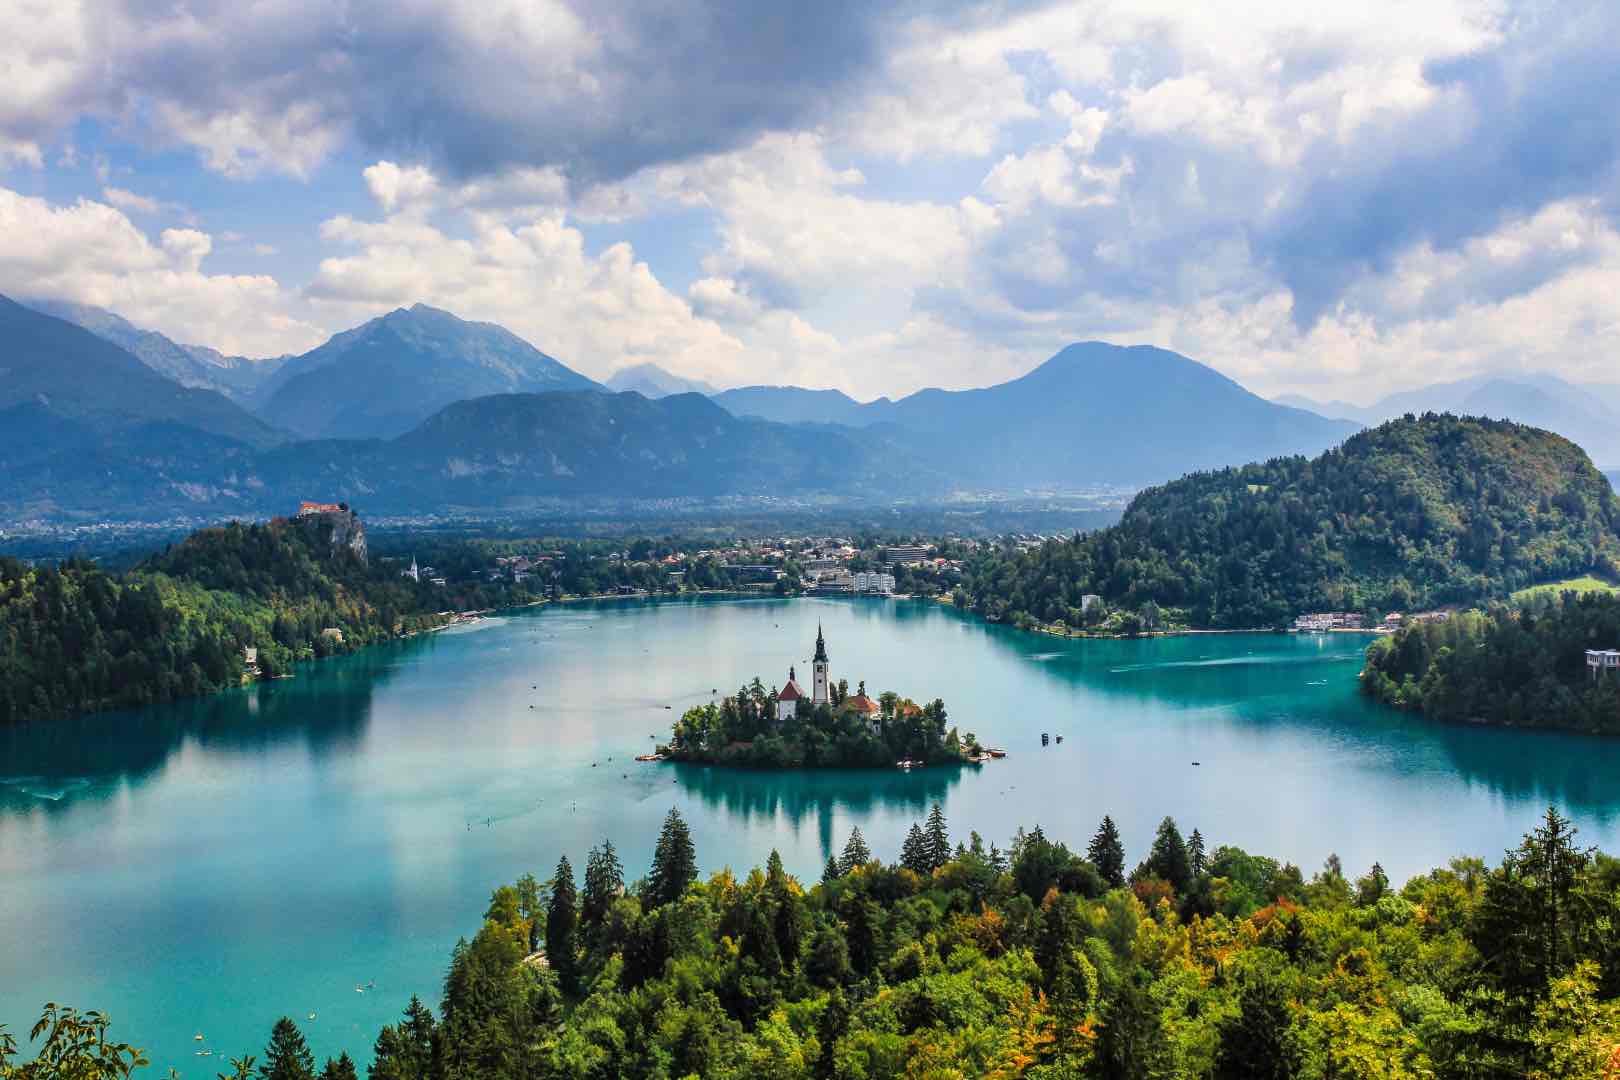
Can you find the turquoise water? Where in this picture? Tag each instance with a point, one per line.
(209, 866)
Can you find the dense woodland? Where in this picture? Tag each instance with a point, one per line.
(1414, 514)
(75, 638)
(743, 730)
(1521, 665)
(967, 961)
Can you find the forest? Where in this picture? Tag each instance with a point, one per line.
(964, 960)
(1520, 665)
(743, 730)
(1418, 513)
(76, 638)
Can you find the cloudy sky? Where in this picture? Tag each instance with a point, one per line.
(1337, 199)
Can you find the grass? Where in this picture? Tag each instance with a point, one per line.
(1583, 584)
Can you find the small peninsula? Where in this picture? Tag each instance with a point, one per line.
(826, 728)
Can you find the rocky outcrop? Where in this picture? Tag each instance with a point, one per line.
(346, 531)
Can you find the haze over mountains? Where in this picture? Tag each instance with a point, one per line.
(418, 411)
(196, 366)
(650, 380)
(1588, 415)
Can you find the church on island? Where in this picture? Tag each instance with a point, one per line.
(788, 698)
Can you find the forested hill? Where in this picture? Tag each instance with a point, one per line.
(1420, 512)
(1519, 666)
(75, 638)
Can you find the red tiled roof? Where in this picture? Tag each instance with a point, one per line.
(790, 692)
(862, 703)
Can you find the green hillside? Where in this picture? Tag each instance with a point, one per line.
(1420, 512)
(75, 638)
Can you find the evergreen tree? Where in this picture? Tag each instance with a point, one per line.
(832, 871)
(562, 919)
(828, 962)
(674, 865)
(997, 860)
(340, 1069)
(939, 840)
(1197, 860)
(1107, 854)
(1525, 925)
(856, 853)
(1373, 887)
(287, 1056)
(1168, 858)
(1259, 1042)
(1132, 1044)
(604, 880)
(829, 1029)
(914, 854)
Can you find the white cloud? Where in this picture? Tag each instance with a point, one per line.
(596, 313)
(394, 187)
(129, 201)
(91, 253)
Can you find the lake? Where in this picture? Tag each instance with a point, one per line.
(209, 866)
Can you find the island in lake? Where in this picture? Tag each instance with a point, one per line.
(828, 727)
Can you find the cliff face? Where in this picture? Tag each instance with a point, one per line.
(346, 530)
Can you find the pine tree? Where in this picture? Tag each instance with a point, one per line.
(1259, 1042)
(341, 1069)
(997, 860)
(1524, 923)
(1107, 854)
(562, 918)
(674, 865)
(604, 880)
(1373, 887)
(287, 1056)
(914, 854)
(939, 840)
(1196, 859)
(856, 853)
(1168, 858)
(831, 872)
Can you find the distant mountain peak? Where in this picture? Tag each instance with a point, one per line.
(652, 381)
(384, 377)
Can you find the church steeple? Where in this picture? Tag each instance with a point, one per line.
(820, 681)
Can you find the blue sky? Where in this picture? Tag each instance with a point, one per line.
(1340, 200)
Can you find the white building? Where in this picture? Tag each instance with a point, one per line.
(1602, 661)
(788, 698)
(874, 581)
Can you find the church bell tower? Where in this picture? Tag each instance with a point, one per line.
(819, 694)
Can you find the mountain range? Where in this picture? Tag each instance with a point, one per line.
(195, 366)
(1093, 413)
(383, 378)
(417, 410)
(1588, 415)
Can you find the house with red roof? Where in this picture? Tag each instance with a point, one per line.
(788, 698)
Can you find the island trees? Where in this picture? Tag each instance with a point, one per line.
(743, 729)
